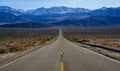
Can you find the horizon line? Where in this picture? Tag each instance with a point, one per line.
(58, 6)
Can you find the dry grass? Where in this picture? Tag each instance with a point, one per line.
(13, 45)
(113, 43)
(12, 40)
(110, 38)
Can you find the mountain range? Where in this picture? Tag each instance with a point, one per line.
(58, 16)
(42, 10)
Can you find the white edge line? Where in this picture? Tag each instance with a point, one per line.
(76, 43)
(13, 61)
(99, 54)
(9, 63)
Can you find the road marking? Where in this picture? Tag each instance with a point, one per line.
(26, 54)
(61, 66)
(19, 58)
(61, 53)
(99, 54)
(61, 60)
(13, 61)
(103, 56)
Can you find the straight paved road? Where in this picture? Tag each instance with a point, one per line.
(63, 55)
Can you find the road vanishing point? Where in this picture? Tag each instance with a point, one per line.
(62, 55)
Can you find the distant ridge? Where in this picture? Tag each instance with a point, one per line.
(58, 16)
(98, 21)
(61, 10)
(27, 25)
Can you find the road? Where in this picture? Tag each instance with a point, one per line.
(63, 55)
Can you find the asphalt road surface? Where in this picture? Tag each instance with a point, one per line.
(62, 55)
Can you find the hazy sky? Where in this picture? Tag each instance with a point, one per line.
(32, 4)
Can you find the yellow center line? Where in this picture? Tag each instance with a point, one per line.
(61, 66)
(61, 53)
(61, 61)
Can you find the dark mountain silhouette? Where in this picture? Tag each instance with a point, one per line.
(91, 21)
(27, 25)
(97, 21)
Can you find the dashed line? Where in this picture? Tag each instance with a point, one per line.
(61, 60)
(61, 53)
(61, 66)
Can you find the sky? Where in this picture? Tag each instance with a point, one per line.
(33, 4)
